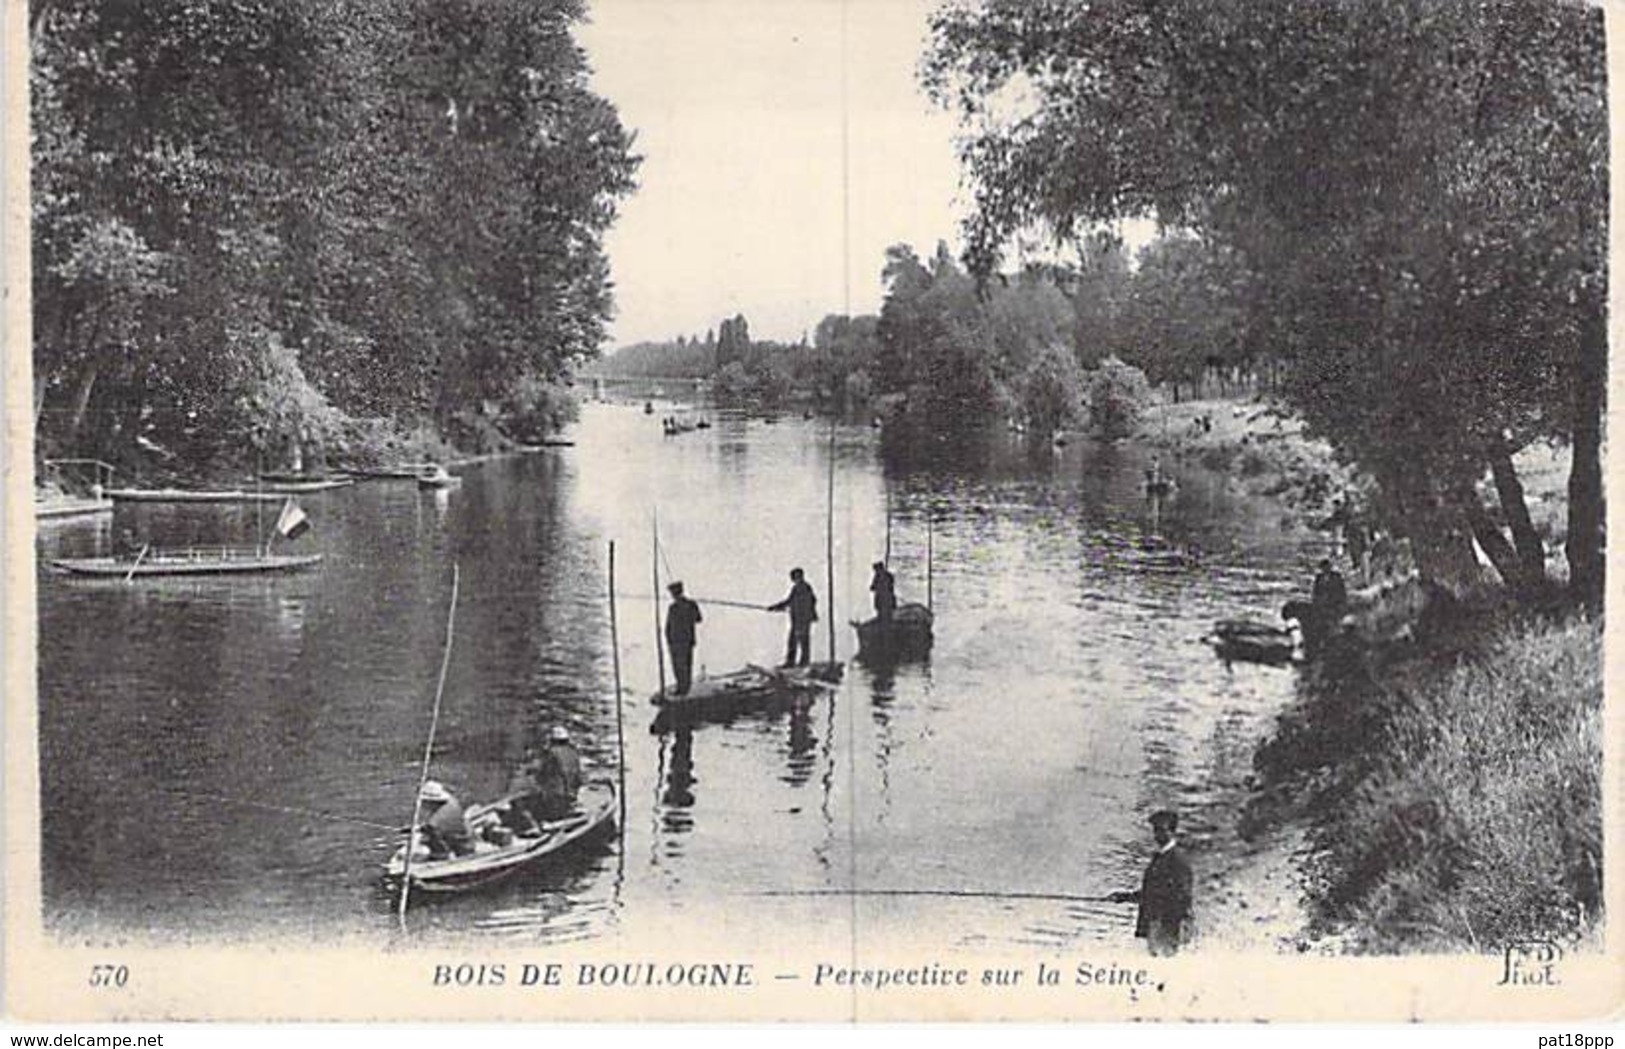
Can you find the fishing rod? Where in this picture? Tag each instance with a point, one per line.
(702, 600)
(951, 893)
(290, 809)
(428, 749)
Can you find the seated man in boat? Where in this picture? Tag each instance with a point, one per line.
(545, 789)
(802, 604)
(884, 587)
(125, 547)
(445, 826)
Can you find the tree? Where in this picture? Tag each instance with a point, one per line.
(1413, 194)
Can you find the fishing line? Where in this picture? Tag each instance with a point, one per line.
(291, 810)
(949, 893)
(428, 748)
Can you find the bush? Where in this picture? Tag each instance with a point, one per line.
(1118, 394)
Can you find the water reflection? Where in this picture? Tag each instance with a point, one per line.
(1066, 695)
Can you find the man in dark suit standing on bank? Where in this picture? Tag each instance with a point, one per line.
(1165, 892)
(682, 616)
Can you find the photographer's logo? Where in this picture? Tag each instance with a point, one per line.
(1531, 963)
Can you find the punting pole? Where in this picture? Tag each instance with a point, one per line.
(428, 749)
(887, 558)
(928, 553)
(138, 559)
(620, 717)
(829, 545)
(660, 640)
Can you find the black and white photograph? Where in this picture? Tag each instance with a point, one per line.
(824, 510)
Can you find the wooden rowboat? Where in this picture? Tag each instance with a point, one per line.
(905, 639)
(491, 863)
(288, 484)
(1252, 641)
(436, 476)
(753, 688)
(187, 561)
(185, 495)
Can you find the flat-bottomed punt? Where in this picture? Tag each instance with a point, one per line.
(492, 863)
(187, 561)
(728, 695)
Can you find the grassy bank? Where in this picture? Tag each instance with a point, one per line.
(1452, 805)
(1449, 787)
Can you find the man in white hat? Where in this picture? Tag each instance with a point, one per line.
(445, 827)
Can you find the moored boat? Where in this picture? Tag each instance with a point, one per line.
(1252, 641)
(494, 861)
(905, 639)
(301, 487)
(191, 495)
(186, 561)
(433, 475)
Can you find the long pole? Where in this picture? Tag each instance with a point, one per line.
(620, 716)
(887, 558)
(829, 544)
(428, 747)
(660, 639)
(928, 556)
(138, 559)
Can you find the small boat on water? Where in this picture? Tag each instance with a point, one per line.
(754, 687)
(290, 486)
(187, 495)
(905, 639)
(61, 507)
(186, 561)
(1252, 641)
(433, 475)
(499, 856)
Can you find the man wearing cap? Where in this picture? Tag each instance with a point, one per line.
(884, 587)
(444, 827)
(803, 606)
(1165, 891)
(558, 776)
(682, 616)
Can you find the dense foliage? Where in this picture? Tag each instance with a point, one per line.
(257, 222)
(1402, 202)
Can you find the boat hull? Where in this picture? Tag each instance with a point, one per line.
(191, 563)
(181, 495)
(906, 638)
(1248, 641)
(743, 691)
(493, 864)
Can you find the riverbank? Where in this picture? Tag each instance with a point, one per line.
(1431, 792)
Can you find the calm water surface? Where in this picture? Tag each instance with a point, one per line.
(192, 733)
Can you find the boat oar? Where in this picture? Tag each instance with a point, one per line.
(138, 558)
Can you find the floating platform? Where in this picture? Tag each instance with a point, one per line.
(743, 691)
(59, 509)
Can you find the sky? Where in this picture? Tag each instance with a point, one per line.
(743, 206)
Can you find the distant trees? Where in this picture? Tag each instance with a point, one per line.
(1411, 198)
(254, 220)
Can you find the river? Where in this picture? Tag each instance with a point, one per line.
(215, 754)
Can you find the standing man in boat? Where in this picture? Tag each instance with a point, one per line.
(884, 587)
(802, 604)
(1164, 895)
(682, 616)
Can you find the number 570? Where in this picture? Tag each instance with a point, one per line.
(109, 975)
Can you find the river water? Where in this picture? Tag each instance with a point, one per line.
(213, 753)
